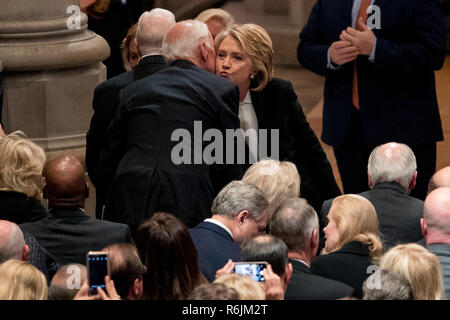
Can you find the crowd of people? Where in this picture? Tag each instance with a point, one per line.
(176, 209)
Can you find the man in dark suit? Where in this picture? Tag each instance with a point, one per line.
(296, 223)
(380, 83)
(239, 213)
(68, 233)
(164, 115)
(102, 163)
(392, 176)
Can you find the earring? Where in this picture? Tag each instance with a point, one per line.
(252, 76)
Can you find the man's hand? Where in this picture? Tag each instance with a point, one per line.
(228, 268)
(363, 40)
(342, 52)
(272, 285)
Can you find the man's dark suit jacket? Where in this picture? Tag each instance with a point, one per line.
(397, 92)
(215, 247)
(306, 286)
(277, 107)
(351, 264)
(159, 114)
(106, 104)
(398, 214)
(18, 208)
(68, 234)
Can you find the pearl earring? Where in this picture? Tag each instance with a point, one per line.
(252, 76)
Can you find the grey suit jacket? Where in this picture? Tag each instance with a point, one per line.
(398, 214)
(442, 251)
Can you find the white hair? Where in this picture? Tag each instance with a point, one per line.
(152, 28)
(392, 162)
(186, 44)
(11, 241)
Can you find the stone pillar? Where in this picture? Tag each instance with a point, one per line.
(299, 11)
(52, 64)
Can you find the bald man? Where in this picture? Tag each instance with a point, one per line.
(68, 233)
(12, 242)
(440, 179)
(436, 229)
(392, 172)
(161, 114)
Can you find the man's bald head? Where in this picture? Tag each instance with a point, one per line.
(437, 214)
(440, 179)
(65, 182)
(12, 242)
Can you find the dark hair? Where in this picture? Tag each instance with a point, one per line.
(214, 291)
(166, 248)
(125, 267)
(267, 248)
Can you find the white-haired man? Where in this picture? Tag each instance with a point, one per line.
(157, 112)
(392, 172)
(102, 161)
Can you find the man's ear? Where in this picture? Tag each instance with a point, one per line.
(314, 241)
(204, 52)
(412, 184)
(242, 216)
(25, 252)
(287, 275)
(369, 181)
(136, 289)
(423, 226)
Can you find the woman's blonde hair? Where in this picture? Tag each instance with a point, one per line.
(216, 14)
(21, 165)
(257, 45)
(420, 267)
(278, 180)
(247, 288)
(356, 220)
(19, 280)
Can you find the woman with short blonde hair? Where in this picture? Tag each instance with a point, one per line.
(420, 267)
(269, 108)
(279, 180)
(19, 280)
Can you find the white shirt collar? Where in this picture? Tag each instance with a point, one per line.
(247, 99)
(301, 262)
(220, 224)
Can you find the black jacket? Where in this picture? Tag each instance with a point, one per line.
(18, 208)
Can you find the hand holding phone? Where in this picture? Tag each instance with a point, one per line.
(98, 267)
(253, 269)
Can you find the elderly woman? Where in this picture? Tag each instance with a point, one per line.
(245, 56)
(216, 20)
(21, 182)
(353, 245)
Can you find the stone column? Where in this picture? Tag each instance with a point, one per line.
(52, 64)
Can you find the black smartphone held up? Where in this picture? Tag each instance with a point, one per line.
(97, 267)
(252, 269)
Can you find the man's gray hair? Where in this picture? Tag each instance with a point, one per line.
(293, 222)
(11, 241)
(186, 44)
(151, 30)
(392, 162)
(387, 285)
(238, 196)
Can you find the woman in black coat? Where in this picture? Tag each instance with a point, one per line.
(246, 57)
(353, 246)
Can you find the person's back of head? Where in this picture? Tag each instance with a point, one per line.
(214, 291)
(440, 179)
(247, 288)
(21, 164)
(190, 40)
(393, 162)
(152, 28)
(419, 266)
(12, 242)
(169, 254)
(65, 182)
(216, 19)
(126, 270)
(387, 285)
(20, 280)
(242, 203)
(279, 180)
(67, 281)
(297, 224)
(436, 217)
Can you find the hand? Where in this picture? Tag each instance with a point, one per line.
(228, 268)
(342, 52)
(273, 286)
(111, 293)
(363, 40)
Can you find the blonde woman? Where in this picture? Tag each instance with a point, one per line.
(216, 20)
(247, 288)
(21, 182)
(279, 180)
(20, 280)
(245, 56)
(420, 267)
(353, 246)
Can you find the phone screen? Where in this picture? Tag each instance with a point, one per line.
(254, 270)
(98, 269)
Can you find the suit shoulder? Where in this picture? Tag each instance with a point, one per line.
(279, 84)
(118, 82)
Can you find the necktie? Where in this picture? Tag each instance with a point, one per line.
(361, 14)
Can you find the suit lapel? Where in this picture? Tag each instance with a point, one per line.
(347, 7)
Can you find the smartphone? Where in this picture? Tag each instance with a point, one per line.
(97, 268)
(252, 269)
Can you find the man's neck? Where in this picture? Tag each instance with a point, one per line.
(226, 222)
(300, 256)
(437, 239)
